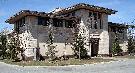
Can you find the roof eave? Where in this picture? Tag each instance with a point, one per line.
(109, 11)
(24, 13)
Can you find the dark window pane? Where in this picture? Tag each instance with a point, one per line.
(57, 23)
(73, 13)
(95, 25)
(69, 24)
(43, 21)
(99, 15)
(90, 14)
(95, 16)
(17, 26)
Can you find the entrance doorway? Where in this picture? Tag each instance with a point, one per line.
(94, 46)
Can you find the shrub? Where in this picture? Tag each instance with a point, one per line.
(131, 46)
(116, 49)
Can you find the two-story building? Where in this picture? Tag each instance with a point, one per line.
(33, 28)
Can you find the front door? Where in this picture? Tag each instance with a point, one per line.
(94, 47)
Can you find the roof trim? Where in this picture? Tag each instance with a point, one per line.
(86, 6)
(111, 24)
(24, 13)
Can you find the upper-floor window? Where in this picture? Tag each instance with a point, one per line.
(95, 25)
(99, 15)
(100, 20)
(69, 24)
(16, 27)
(90, 14)
(73, 13)
(120, 30)
(57, 22)
(95, 15)
(19, 23)
(43, 21)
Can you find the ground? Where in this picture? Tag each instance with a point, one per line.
(70, 61)
(121, 66)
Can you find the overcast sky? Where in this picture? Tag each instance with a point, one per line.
(125, 8)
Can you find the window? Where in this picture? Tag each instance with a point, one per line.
(95, 16)
(20, 22)
(114, 30)
(57, 23)
(99, 15)
(95, 25)
(100, 20)
(17, 27)
(90, 14)
(123, 36)
(120, 30)
(43, 21)
(101, 25)
(73, 13)
(69, 24)
(23, 20)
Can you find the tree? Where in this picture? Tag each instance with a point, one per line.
(131, 39)
(3, 48)
(131, 46)
(12, 49)
(79, 42)
(116, 49)
(3, 40)
(78, 47)
(51, 47)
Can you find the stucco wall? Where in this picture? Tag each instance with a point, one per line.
(104, 36)
(39, 34)
(33, 35)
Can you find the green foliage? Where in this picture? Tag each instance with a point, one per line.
(116, 49)
(9, 47)
(12, 49)
(51, 48)
(51, 52)
(131, 39)
(131, 45)
(3, 48)
(50, 38)
(78, 47)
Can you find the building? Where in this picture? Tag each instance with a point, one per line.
(33, 28)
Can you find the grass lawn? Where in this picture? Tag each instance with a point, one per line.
(126, 56)
(71, 61)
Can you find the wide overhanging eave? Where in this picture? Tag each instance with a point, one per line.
(88, 7)
(24, 13)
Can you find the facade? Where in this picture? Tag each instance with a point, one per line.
(33, 28)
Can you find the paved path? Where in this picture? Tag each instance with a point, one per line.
(124, 66)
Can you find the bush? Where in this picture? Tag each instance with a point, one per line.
(51, 52)
(116, 49)
(131, 46)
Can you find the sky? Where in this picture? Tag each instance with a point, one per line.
(125, 8)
